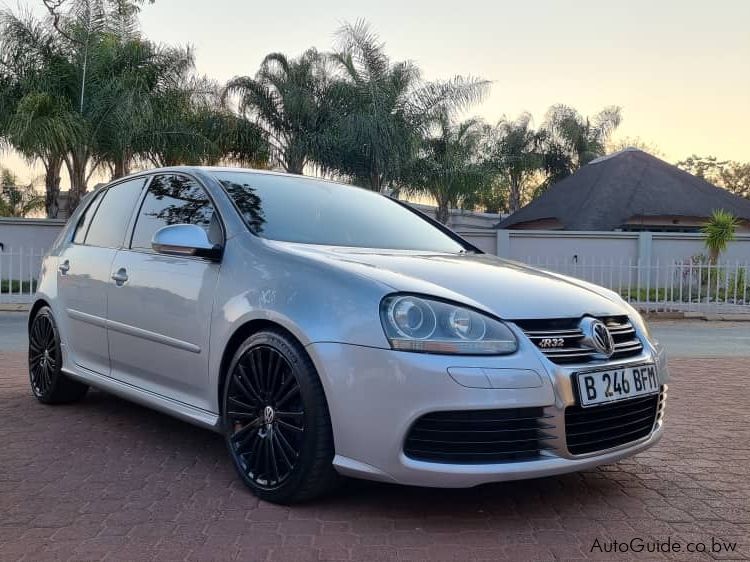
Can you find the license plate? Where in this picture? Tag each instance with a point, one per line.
(617, 384)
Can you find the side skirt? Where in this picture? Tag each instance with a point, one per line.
(180, 410)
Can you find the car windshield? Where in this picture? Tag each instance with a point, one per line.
(313, 211)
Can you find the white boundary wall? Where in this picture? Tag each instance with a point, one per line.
(28, 233)
(574, 247)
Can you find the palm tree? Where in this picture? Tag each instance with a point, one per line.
(189, 125)
(140, 71)
(515, 151)
(384, 109)
(34, 115)
(719, 230)
(287, 98)
(92, 87)
(448, 167)
(573, 140)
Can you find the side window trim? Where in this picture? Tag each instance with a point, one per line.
(131, 229)
(128, 242)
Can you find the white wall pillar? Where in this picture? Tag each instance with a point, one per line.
(503, 244)
(645, 247)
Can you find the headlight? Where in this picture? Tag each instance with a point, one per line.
(424, 325)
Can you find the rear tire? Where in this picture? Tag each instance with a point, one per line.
(48, 383)
(276, 421)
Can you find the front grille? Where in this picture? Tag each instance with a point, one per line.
(479, 436)
(602, 427)
(572, 349)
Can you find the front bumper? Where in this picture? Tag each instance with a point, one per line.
(375, 395)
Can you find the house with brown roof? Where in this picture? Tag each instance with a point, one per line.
(629, 190)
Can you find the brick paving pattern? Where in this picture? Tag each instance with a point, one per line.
(106, 479)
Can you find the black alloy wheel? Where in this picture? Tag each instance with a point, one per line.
(276, 420)
(48, 383)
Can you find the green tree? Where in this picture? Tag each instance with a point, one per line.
(288, 99)
(17, 200)
(719, 230)
(138, 73)
(384, 109)
(34, 111)
(448, 167)
(189, 125)
(515, 151)
(573, 140)
(731, 175)
(89, 91)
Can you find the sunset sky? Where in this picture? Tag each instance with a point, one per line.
(679, 69)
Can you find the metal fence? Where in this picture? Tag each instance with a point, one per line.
(692, 285)
(19, 270)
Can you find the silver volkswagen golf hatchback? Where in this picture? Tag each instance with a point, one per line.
(327, 330)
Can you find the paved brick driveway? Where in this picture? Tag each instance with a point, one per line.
(107, 479)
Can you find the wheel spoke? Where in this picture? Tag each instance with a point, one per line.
(286, 383)
(266, 460)
(47, 327)
(272, 455)
(256, 372)
(241, 415)
(290, 394)
(254, 453)
(272, 360)
(47, 377)
(276, 369)
(286, 425)
(293, 415)
(241, 404)
(35, 336)
(256, 423)
(240, 377)
(280, 448)
(285, 444)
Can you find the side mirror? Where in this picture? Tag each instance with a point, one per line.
(185, 240)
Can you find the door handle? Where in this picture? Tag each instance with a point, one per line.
(120, 277)
(64, 267)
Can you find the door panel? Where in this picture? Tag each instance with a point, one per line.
(83, 279)
(160, 306)
(159, 322)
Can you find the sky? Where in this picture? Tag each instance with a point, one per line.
(680, 69)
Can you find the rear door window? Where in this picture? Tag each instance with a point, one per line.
(112, 218)
(83, 223)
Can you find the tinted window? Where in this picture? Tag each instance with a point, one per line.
(111, 219)
(174, 199)
(85, 220)
(319, 212)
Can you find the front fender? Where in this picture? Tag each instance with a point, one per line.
(314, 302)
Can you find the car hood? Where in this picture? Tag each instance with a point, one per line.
(508, 289)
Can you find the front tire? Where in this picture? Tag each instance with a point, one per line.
(48, 383)
(276, 421)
